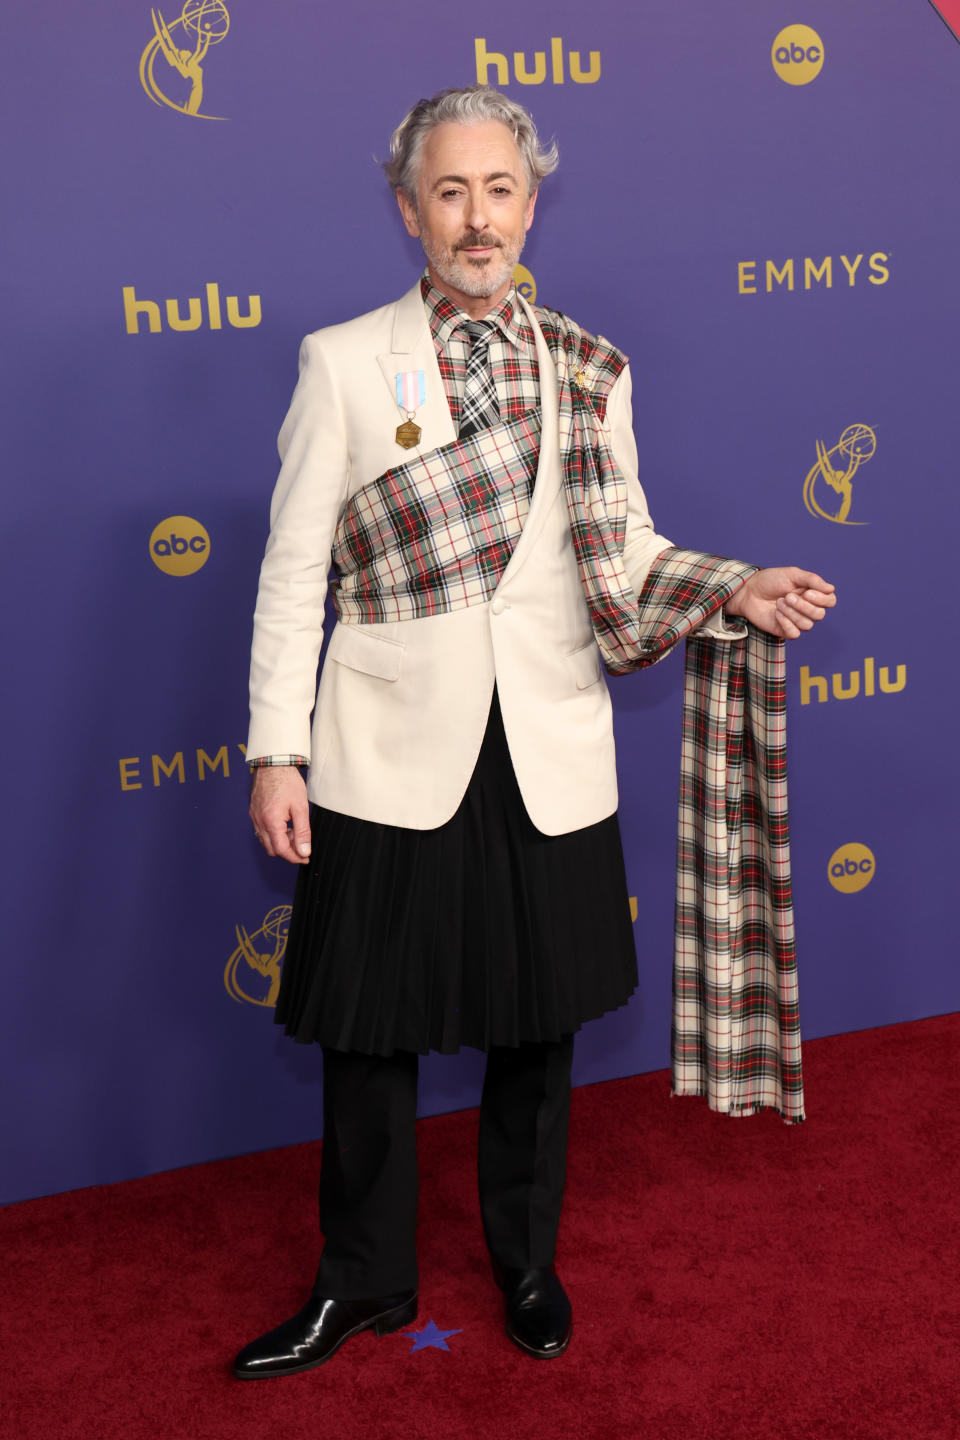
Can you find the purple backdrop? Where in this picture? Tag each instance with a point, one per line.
(143, 930)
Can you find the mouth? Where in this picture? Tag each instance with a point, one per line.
(475, 249)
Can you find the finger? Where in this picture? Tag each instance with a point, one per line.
(274, 824)
(270, 824)
(281, 846)
(825, 598)
(799, 605)
(274, 841)
(790, 621)
(300, 816)
(257, 827)
(809, 580)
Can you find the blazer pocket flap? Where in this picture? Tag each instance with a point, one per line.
(370, 654)
(586, 665)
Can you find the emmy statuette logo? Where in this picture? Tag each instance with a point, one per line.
(179, 545)
(252, 973)
(834, 471)
(183, 44)
(797, 55)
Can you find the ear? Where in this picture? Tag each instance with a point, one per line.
(528, 212)
(409, 212)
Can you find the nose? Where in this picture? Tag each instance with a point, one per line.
(477, 209)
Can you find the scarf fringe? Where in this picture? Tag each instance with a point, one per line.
(740, 1111)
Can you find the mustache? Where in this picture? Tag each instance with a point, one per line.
(474, 239)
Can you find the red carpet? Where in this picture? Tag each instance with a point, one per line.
(731, 1279)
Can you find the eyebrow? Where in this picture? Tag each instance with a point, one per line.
(462, 180)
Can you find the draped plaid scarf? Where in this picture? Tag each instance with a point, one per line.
(436, 534)
(736, 1025)
(632, 631)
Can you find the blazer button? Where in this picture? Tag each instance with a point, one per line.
(498, 606)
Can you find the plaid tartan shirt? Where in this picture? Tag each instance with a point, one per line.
(513, 353)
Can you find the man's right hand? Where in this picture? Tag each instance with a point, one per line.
(280, 812)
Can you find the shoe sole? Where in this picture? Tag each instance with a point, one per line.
(385, 1324)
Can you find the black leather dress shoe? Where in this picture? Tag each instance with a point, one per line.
(539, 1318)
(318, 1330)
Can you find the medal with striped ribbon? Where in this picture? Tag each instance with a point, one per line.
(411, 394)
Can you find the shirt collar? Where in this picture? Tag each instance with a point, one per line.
(445, 317)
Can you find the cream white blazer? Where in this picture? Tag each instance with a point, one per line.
(401, 708)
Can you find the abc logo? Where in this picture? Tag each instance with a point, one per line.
(525, 283)
(797, 55)
(851, 868)
(179, 545)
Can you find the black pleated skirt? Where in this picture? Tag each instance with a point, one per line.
(481, 932)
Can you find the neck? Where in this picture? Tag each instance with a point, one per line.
(478, 307)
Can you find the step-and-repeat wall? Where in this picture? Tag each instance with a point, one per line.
(758, 202)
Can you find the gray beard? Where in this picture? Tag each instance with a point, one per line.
(478, 280)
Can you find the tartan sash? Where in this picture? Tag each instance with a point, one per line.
(437, 533)
(735, 1032)
(684, 587)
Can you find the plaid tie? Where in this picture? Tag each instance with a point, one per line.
(480, 408)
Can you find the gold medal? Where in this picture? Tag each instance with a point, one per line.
(411, 394)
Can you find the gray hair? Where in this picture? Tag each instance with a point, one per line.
(465, 107)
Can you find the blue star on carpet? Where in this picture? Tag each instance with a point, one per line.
(430, 1336)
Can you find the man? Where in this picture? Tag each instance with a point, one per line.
(468, 466)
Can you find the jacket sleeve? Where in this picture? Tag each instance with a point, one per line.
(288, 620)
(642, 544)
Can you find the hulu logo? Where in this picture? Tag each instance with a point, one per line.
(849, 687)
(133, 309)
(536, 73)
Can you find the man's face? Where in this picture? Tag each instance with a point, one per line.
(472, 211)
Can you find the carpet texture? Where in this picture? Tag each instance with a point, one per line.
(731, 1279)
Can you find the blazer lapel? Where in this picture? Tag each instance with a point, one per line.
(412, 349)
(546, 491)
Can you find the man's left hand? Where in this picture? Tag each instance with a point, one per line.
(783, 601)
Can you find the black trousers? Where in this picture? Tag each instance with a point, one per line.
(368, 1176)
